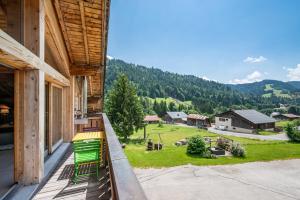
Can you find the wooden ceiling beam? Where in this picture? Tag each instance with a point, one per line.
(84, 71)
(55, 39)
(63, 28)
(81, 6)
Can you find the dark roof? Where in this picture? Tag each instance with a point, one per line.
(177, 115)
(254, 116)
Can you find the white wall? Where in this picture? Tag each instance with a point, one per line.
(226, 124)
(229, 127)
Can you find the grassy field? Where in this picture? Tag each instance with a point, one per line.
(268, 133)
(278, 93)
(170, 99)
(282, 123)
(172, 156)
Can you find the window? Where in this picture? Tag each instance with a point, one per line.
(222, 119)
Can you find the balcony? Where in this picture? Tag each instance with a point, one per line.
(116, 181)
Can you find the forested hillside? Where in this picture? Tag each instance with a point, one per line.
(206, 96)
(268, 88)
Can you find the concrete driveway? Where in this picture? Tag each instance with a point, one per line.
(281, 136)
(258, 181)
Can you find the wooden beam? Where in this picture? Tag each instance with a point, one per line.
(15, 55)
(29, 126)
(81, 6)
(63, 28)
(84, 71)
(13, 7)
(34, 27)
(68, 106)
(55, 38)
(91, 85)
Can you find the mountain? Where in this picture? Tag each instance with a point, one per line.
(205, 96)
(268, 88)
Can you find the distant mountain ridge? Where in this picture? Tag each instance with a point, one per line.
(266, 88)
(206, 96)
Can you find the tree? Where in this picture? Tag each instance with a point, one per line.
(124, 108)
(172, 106)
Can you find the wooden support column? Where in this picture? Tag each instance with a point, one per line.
(30, 99)
(29, 126)
(34, 27)
(68, 111)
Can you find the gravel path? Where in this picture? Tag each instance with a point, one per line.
(258, 180)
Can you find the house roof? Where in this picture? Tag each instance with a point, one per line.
(254, 116)
(197, 116)
(177, 115)
(151, 118)
(289, 115)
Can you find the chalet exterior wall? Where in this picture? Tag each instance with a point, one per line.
(232, 122)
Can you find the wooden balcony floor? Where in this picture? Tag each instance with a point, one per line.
(60, 185)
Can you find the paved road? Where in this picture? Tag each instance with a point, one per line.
(281, 136)
(259, 180)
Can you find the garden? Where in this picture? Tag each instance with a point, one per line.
(174, 155)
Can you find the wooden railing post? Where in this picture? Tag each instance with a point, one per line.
(124, 183)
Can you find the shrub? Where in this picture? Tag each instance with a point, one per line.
(292, 133)
(196, 145)
(208, 154)
(224, 143)
(160, 124)
(237, 150)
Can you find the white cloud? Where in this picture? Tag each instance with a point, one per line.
(259, 59)
(250, 78)
(294, 73)
(205, 78)
(109, 57)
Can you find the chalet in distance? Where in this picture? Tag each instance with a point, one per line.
(175, 117)
(289, 117)
(52, 68)
(198, 120)
(244, 121)
(152, 119)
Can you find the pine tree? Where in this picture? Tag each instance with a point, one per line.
(172, 106)
(124, 108)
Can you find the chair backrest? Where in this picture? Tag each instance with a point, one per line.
(86, 146)
(89, 129)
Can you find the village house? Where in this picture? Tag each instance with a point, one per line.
(244, 121)
(152, 119)
(198, 120)
(289, 116)
(175, 117)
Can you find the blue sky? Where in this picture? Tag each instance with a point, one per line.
(230, 41)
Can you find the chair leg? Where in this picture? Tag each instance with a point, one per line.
(75, 173)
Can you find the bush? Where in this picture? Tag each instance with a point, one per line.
(237, 150)
(160, 124)
(196, 145)
(208, 154)
(224, 143)
(292, 133)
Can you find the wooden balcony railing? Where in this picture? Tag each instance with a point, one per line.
(124, 183)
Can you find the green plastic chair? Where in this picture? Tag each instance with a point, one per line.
(86, 152)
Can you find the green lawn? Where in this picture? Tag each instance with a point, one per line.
(282, 123)
(172, 156)
(268, 133)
